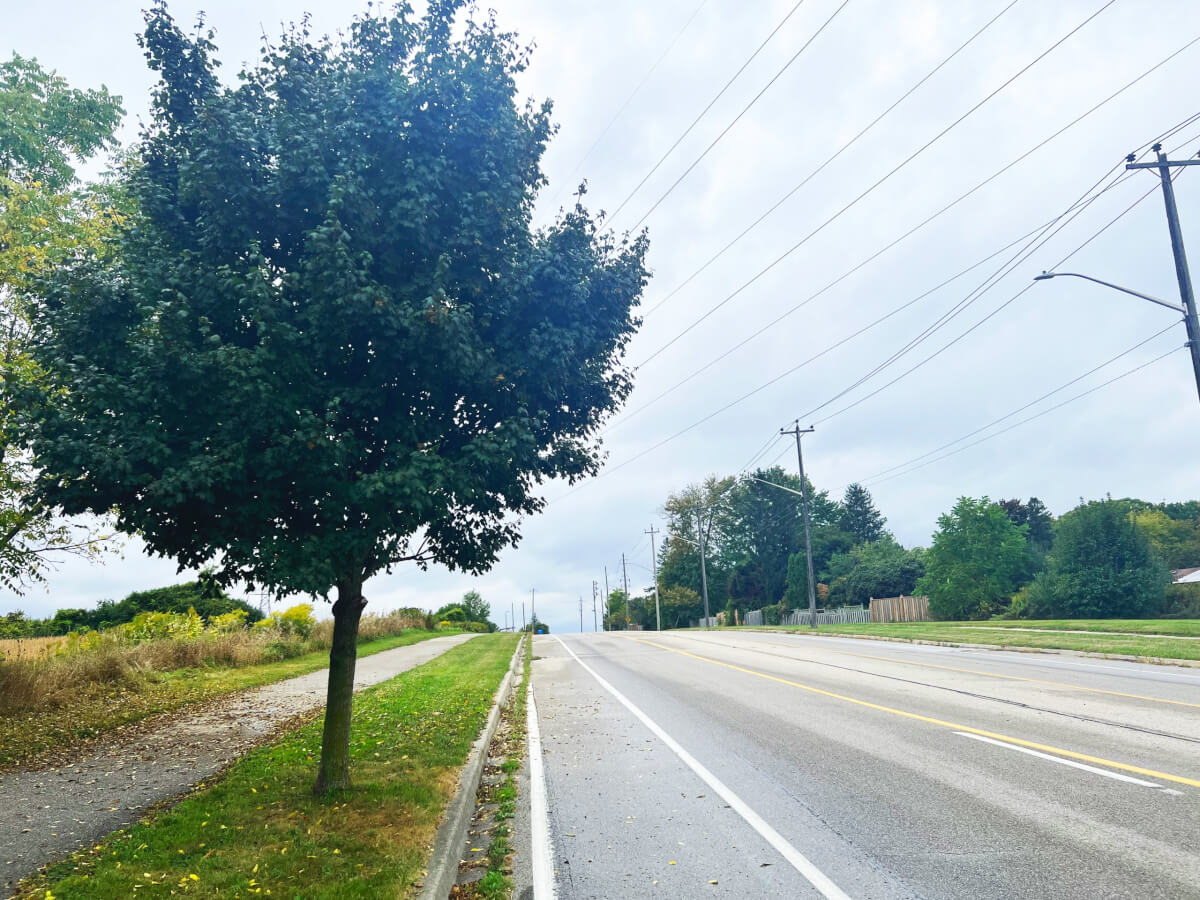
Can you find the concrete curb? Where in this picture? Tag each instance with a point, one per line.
(1151, 660)
(442, 871)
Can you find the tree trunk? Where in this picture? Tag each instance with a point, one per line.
(334, 773)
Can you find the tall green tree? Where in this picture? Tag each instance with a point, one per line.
(1102, 566)
(46, 218)
(477, 609)
(679, 558)
(765, 528)
(859, 515)
(332, 342)
(975, 563)
(1037, 519)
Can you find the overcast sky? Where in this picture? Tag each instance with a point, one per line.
(627, 78)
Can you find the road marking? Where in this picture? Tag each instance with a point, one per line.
(798, 860)
(541, 850)
(1117, 776)
(953, 726)
(906, 662)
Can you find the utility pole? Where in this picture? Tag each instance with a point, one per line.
(532, 608)
(1181, 267)
(625, 577)
(812, 590)
(522, 615)
(513, 611)
(595, 590)
(654, 567)
(607, 612)
(581, 613)
(703, 573)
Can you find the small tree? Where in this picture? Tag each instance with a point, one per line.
(333, 342)
(975, 563)
(477, 609)
(1101, 566)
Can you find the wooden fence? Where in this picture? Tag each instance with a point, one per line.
(900, 609)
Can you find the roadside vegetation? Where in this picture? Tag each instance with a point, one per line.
(56, 692)
(987, 561)
(1034, 634)
(260, 831)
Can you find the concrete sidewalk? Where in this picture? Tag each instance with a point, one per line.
(51, 812)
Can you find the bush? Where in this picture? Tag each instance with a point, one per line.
(475, 627)
(771, 614)
(1101, 567)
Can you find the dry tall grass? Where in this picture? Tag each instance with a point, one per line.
(47, 678)
(29, 648)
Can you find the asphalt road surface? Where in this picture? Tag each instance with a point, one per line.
(692, 764)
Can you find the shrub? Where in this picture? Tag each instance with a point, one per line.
(771, 614)
(1101, 567)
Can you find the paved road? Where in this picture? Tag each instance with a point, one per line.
(771, 765)
(50, 812)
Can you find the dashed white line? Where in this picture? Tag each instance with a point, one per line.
(818, 879)
(542, 850)
(1116, 776)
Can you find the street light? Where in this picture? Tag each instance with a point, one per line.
(1045, 276)
(1189, 318)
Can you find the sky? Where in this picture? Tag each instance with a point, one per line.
(772, 323)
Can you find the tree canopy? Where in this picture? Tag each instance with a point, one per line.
(859, 515)
(975, 563)
(46, 128)
(1102, 566)
(332, 340)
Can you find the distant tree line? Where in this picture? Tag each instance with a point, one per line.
(202, 595)
(1106, 558)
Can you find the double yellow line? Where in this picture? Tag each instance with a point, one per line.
(954, 726)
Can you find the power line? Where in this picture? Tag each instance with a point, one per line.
(846, 146)
(994, 312)
(637, 89)
(811, 297)
(998, 275)
(704, 111)
(1018, 410)
(767, 384)
(986, 318)
(1037, 415)
(738, 117)
(880, 181)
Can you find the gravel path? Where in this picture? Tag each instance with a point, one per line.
(51, 812)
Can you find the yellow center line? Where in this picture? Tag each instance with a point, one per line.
(1062, 684)
(1071, 754)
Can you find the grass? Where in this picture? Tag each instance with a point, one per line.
(1003, 635)
(30, 648)
(260, 832)
(96, 707)
(496, 884)
(1178, 627)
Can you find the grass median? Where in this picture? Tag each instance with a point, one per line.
(98, 707)
(260, 832)
(1035, 634)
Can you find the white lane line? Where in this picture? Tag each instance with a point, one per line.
(798, 860)
(1116, 776)
(539, 813)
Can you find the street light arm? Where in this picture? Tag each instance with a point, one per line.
(1046, 276)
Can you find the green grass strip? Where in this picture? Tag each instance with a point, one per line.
(975, 633)
(99, 708)
(260, 832)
